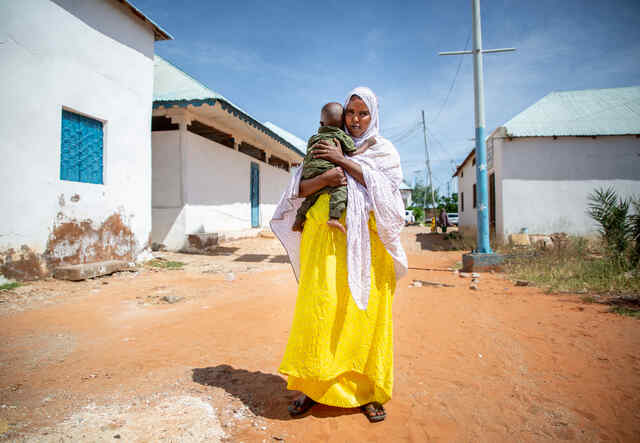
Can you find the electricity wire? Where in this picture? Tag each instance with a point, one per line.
(453, 82)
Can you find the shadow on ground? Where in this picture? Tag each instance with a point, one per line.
(434, 241)
(266, 395)
(257, 258)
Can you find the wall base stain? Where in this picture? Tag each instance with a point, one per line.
(71, 242)
(74, 242)
(22, 265)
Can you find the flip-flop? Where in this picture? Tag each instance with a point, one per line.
(371, 411)
(299, 407)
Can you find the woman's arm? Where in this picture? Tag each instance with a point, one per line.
(332, 177)
(327, 151)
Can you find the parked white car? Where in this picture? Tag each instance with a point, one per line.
(453, 218)
(409, 219)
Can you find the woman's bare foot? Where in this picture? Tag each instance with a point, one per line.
(336, 224)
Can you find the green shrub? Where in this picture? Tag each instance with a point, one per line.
(418, 214)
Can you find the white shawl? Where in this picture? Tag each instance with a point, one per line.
(383, 175)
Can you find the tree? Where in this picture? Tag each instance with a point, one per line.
(450, 204)
(417, 195)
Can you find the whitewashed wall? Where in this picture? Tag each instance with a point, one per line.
(467, 219)
(51, 60)
(216, 182)
(546, 182)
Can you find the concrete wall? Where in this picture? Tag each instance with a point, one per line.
(467, 219)
(109, 78)
(216, 182)
(546, 182)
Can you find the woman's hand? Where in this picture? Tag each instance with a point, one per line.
(328, 151)
(333, 177)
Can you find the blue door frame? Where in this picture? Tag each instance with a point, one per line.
(255, 195)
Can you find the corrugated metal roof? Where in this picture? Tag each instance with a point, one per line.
(614, 111)
(170, 83)
(296, 141)
(158, 32)
(174, 87)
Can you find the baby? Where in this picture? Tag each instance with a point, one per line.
(331, 120)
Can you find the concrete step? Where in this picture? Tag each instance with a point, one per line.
(85, 271)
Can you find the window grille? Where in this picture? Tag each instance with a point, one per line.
(81, 149)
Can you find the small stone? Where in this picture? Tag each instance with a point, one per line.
(171, 299)
(278, 438)
(229, 276)
(116, 436)
(479, 355)
(473, 287)
(474, 280)
(475, 275)
(464, 275)
(522, 283)
(417, 283)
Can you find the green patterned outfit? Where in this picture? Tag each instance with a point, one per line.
(312, 167)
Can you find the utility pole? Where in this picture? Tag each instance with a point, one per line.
(428, 164)
(484, 246)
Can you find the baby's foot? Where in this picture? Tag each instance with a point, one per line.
(336, 224)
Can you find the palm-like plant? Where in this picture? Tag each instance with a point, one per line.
(610, 212)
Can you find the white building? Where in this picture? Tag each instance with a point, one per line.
(77, 85)
(405, 191)
(216, 169)
(544, 162)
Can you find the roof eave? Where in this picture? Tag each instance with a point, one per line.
(158, 32)
(183, 103)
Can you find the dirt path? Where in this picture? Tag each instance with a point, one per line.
(107, 359)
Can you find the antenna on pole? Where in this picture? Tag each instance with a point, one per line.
(484, 246)
(428, 164)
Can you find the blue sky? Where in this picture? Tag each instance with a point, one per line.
(282, 60)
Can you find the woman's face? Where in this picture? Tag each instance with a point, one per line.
(357, 117)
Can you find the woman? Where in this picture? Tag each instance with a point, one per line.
(340, 349)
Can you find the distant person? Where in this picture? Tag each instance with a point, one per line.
(443, 220)
(340, 347)
(331, 124)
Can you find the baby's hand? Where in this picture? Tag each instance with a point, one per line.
(366, 145)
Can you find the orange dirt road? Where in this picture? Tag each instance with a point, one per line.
(104, 360)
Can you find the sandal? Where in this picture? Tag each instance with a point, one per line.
(374, 411)
(300, 406)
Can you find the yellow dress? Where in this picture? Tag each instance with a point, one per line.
(338, 354)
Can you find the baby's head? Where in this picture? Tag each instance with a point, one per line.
(332, 114)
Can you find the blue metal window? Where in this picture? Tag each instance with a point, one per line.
(81, 149)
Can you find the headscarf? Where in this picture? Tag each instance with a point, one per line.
(369, 99)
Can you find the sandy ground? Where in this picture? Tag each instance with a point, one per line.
(108, 360)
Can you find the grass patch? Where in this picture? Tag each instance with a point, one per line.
(621, 310)
(576, 267)
(165, 264)
(9, 286)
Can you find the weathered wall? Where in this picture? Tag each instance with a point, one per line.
(108, 78)
(546, 182)
(467, 219)
(215, 181)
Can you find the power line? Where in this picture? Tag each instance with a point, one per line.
(453, 82)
